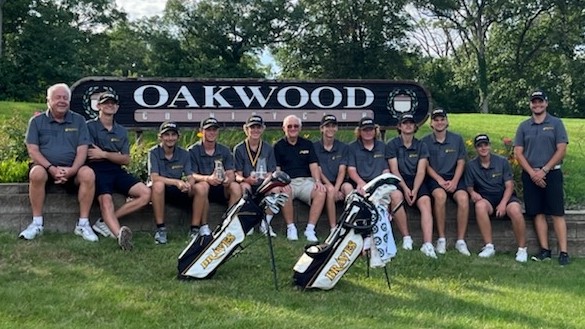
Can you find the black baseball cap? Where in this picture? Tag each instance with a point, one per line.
(107, 97)
(481, 138)
(209, 122)
(438, 113)
(538, 94)
(406, 117)
(254, 120)
(366, 123)
(168, 126)
(328, 118)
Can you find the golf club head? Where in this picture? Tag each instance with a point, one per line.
(276, 179)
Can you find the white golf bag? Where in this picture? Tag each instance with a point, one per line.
(321, 266)
(205, 253)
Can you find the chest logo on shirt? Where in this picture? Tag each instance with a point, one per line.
(177, 167)
(496, 174)
(378, 155)
(450, 150)
(114, 139)
(548, 128)
(413, 155)
(304, 152)
(68, 130)
(335, 157)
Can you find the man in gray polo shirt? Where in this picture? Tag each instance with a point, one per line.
(445, 178)
(213, 170)
(57, 142)
(540, 146)
(170, 174)
(490, 184)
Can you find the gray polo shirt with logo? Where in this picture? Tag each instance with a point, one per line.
(443, 157)
(58, 141)
(368, 163)
(491, 180)
(176, 167)
(540, 139)
(407, 157)
(330, 161)
(243, 162)
(204, 164)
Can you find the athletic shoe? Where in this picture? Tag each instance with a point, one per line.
(125, 238)
(428, 250)
(31, 232)
(544, 254)
(461, 246)
(291, 233)
(204, 230)
(441, 247)
(86, 233)
(521, 255)
(103, 229)
(193, 233)
(160, 236)
(264, 231)
(407, 243)
(563, 259)
(311, 236)
(487, 251)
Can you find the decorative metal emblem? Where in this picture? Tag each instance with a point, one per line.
(401, 101)
(90, 97)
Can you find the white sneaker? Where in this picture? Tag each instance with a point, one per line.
(85, 232)
(125, 238)
(461, 246)
(428, 250)
(31, 231)
(263, 230)
(487, 251)
(407, 243)
(521, 255)
(103, 229)
(441, 247)
(291, 233)
(204, 230)
(311, 236)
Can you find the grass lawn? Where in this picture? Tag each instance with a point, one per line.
(61, 281)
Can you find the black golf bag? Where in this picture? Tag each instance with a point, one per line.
(321, 266)
(205, 253)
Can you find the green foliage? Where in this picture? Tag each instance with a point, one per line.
(13, 171)
(12, 145)
(139, 160)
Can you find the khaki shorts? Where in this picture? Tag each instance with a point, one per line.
(302, 187)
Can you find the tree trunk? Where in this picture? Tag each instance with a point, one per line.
(1, 23)
(482, 80)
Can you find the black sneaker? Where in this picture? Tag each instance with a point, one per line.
(544, 254)
(193, 233)
(563, 259)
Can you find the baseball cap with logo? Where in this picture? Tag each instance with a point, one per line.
(481, 138)
(168, 126)
(439, 112)
(366, 123)
(254, 120)
(209, 122)
(328, 118)
(538, 94)
(107, 97)
(406, 117)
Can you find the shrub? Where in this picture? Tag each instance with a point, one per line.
(139, 160)
(12, 134)
(13, 171)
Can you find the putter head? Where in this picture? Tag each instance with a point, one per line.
(276, 179)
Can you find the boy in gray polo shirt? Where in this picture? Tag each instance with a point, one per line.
(212, 182)
(490, 185)
(445, 178)
(170, 174)
(57, 142)
(108, 153)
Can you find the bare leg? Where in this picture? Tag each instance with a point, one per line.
(482, 214)
(426, 218)
(560, 226)
(514, 211)
(541, 227)
(140, 194)
(158, 201)
(439, 201)
(38, 177)
(85, 179)
(462, 199)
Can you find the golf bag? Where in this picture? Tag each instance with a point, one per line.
(205, 253)
(321, 266)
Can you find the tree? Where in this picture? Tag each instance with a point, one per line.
(346, 39)
(2, 2)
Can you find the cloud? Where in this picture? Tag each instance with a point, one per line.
(142, 8)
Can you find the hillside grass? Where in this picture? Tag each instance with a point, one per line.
(468, 125)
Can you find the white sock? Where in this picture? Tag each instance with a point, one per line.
(269, 218)
(290, 225)
(83, 221)
(310, 227)
(489, 245)
(38, 220)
